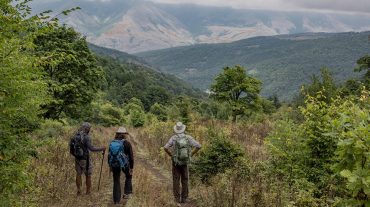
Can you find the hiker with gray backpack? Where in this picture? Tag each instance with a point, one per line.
(181, 154)
(121, 158)
(80, 147)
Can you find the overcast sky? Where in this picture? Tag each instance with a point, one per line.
(362, 6)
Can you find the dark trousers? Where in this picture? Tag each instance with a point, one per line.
(180, 173)
(117, 183)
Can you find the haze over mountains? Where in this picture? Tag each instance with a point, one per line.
(136, 25)
(283, 63)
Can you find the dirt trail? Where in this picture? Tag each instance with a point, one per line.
(103, 197)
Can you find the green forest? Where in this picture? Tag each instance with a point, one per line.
(257, 151)
(275, 60)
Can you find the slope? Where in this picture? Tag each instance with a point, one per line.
(283, 63)
(128, 76)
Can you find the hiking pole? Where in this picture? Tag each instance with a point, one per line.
(101, 168)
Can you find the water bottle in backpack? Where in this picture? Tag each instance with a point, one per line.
(116, 156)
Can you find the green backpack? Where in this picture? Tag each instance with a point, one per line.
(182, 150)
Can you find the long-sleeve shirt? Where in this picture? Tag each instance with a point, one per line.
(89, 147)
(129, 153)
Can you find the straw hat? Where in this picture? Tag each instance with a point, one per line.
(179, 128)
(121, 130)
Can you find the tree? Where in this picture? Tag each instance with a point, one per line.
(22, 91)
(71, 71)
(155, 94)
(233, 85)
(324, 84)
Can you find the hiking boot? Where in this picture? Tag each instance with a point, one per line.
(126, 196)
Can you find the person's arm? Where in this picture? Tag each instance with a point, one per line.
(92, 148)
(167, 147)
(130, 153)
(194, 144)
(168, 152)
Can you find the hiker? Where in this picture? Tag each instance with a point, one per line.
(80, 147)
(121, 158)
(181, 155)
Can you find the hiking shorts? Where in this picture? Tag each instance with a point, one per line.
(81, 167)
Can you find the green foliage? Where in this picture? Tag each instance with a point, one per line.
(213, 109)
(282, 64)
(352, 128)
(354, 86)
(137, 118)
(218, 156)
(22, 91)
(184, 107)
(237, 88)
(155, 94)
(127, 80)
(71, 72)
(159, 111)
(324, 84)
(135, 110)
(329, 143)
(106, 114)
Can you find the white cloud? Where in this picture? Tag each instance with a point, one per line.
(362, 6)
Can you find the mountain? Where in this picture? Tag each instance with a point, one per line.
(283, 62)
(129, 76)
(138, 25)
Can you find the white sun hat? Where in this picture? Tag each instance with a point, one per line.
(179, 128)
(121, 130)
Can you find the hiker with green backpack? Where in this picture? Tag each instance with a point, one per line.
(181, 154)
(121, 158)
(80, 147)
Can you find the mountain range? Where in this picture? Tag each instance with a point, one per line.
(136, 25)
(282, 62)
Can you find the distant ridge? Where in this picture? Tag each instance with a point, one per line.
(282, 62)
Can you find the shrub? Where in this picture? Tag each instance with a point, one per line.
(137, 118)
(159, 111)
(219, 155)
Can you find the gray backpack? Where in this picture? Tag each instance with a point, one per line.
(182, 152)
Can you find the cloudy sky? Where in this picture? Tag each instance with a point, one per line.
(352, 6)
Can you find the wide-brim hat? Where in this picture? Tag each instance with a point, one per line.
(179, 128)
(121, 130)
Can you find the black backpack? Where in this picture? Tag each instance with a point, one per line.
(76, 146)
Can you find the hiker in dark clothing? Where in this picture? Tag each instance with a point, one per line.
(84, 164)
(122, 134)
(181, 155)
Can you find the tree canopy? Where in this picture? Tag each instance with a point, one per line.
(233, 85)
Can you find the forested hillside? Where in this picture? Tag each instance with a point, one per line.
(258, 152)
(276, 60)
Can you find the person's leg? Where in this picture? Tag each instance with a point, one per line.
(79, 172)
(88, 184)
(184, 183)
(128, 181)
(78, 183)
(176, 182)
(88, 173)
(116, 185)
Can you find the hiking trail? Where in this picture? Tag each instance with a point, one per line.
(103, 197)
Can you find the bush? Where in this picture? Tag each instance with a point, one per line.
(219, 155)
(106, 114)
(159, 111)
(137, 118)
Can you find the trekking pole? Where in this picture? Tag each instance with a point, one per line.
(101, 168)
